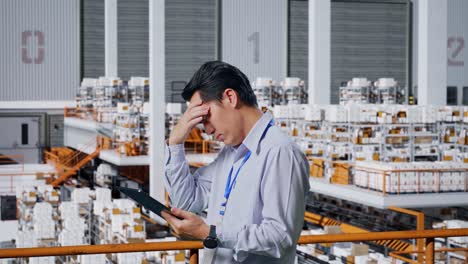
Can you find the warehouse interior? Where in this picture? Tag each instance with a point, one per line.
(374, 92)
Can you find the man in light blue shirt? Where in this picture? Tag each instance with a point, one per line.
(254, 191)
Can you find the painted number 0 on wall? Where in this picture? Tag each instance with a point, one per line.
(455, 46)
(26, 37)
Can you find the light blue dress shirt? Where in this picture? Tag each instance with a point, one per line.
(265, 211)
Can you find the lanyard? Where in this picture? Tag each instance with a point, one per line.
(229, 183)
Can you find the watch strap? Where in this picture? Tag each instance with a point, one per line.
(212, 231)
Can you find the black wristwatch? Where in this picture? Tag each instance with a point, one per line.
(211, 241)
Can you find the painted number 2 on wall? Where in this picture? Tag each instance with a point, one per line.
(455, 47)
(29, 37)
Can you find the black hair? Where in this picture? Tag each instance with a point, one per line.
(214, 77)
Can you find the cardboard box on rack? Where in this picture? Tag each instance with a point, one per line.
(341, 173)
(316, 168)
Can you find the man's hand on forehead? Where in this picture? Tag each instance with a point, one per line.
(194, 103)
(198, 105)
(196, 113)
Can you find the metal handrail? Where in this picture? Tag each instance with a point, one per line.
(194, 246)
(419, 225)
(69, 161)
(99, 249)
(20, 157)
(49, 156)
(437, 250)
(12, 174)
(357, 237)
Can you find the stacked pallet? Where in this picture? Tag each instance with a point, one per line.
(341, 173)
(317, 167)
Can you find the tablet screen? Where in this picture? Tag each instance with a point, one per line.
(145, 200)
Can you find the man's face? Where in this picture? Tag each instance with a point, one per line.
(221, 120)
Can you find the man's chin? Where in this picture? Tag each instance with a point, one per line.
(227, 143)
(232, 144)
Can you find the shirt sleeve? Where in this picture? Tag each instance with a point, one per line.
(284, 188)
(187, 191)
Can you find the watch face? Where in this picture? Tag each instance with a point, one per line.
(210, 242)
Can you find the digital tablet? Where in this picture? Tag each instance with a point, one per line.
(144, 199)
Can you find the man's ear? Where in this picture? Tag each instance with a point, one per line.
(231, 98)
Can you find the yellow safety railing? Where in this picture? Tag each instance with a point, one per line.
(194, 246)
(419, 226)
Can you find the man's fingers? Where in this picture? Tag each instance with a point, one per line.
(171, 220)
(174, 223)
(194, 116)
(197, 113)
(185, 224)
(174, 233)
(195, 121)
(166, 217)
(199, 110)
(180, 213)
(194, 104)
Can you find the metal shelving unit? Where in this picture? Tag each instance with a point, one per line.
(425, 142)
(390, 95)
(396, 143)
(366, 139)
(86, 211)
(127, 131)
(339, 141)
(314, 137)
(449, 146)
(358, 95)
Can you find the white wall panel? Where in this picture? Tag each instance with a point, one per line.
(254, 37)
(432, 52)
(39, 49)
(19, 140)
(457, 44)
(319, 51)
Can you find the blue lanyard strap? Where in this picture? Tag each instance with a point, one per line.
(229, 183)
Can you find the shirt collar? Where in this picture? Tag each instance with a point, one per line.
(255, 134)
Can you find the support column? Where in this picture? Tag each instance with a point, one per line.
(110, 38)
(319, 51)
(429, 250)
(157, 99)
(194, 256)
(432, 52)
